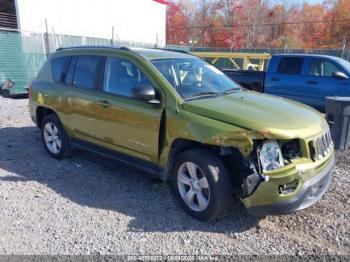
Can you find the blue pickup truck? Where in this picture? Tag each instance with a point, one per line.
(304, 78)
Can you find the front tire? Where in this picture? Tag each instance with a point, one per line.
(201, 184)
(54, 138)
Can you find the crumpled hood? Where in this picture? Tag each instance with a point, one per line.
(269, 115)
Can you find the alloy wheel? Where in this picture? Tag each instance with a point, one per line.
(52, 138)
(193, 186)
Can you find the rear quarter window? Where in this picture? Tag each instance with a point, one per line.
(290, 65)
(57, 66)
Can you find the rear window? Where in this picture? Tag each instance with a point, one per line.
(290, 66)
(58, 65)
(86, 71)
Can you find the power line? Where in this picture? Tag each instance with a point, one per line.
(273, 24)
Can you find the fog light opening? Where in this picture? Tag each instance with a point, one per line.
(288, 188)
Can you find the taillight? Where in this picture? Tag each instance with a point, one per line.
(29, 88)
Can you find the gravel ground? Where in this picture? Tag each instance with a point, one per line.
(90, 205)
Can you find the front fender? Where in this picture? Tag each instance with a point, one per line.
(196, 128)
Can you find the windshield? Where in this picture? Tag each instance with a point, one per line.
(345, 64)
(194, 78)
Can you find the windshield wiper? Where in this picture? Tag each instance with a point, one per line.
(209, 93)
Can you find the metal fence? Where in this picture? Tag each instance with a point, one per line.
(23, 53)
(343, 53)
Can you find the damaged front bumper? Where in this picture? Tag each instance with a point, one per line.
(310, 184)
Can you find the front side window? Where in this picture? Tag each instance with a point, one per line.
(121, 77)
(193, 77)
(321, 67)
(290, 66)
(86, 71)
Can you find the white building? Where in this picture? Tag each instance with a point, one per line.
(129, 20)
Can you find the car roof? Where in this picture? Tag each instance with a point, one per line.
(147, 53)
(161, 53)
(308, 55)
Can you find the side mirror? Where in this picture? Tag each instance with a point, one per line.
(145, 93)
(340, 75)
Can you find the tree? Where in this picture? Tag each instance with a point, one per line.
(176, 24)
(339, 31)
(259, 24)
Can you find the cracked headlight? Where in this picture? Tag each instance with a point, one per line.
(270, 156)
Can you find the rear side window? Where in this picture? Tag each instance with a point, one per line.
(86, 71)
(57, 66)
(70, 70)
(290, 66)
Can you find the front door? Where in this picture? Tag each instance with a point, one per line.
(321, 82)
(124, 123)
(286, 81)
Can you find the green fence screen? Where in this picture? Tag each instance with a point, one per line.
(23, 53)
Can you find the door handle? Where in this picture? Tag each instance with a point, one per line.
(312, 82)
(104, 103)
(275, 79)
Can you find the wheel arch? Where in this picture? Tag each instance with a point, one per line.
(231, 157)
(180, 145)
(41, 113)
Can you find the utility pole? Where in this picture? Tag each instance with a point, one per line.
(332, 29)
(344, 46)
(204, 10)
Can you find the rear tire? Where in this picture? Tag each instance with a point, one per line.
(201, 184)
(54, 137)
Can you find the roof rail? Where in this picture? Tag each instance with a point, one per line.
(175, 50)
(94, 46)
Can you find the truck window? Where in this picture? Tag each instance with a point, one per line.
(321, 67)
(57, 67)
(86, 71)
(290, 66)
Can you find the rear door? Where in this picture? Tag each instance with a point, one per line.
(285, 79)
(124, 123)
(80, 92)
(320, 82)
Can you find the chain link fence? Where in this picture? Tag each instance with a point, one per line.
(343, 53)
(23, 53)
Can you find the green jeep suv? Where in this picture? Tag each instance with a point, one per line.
(175, 116)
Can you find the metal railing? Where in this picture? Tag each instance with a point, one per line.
(238, 61)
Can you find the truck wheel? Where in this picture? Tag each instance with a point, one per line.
(201, 184)
(54, 138)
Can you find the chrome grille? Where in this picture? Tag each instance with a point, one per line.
(323, 144)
